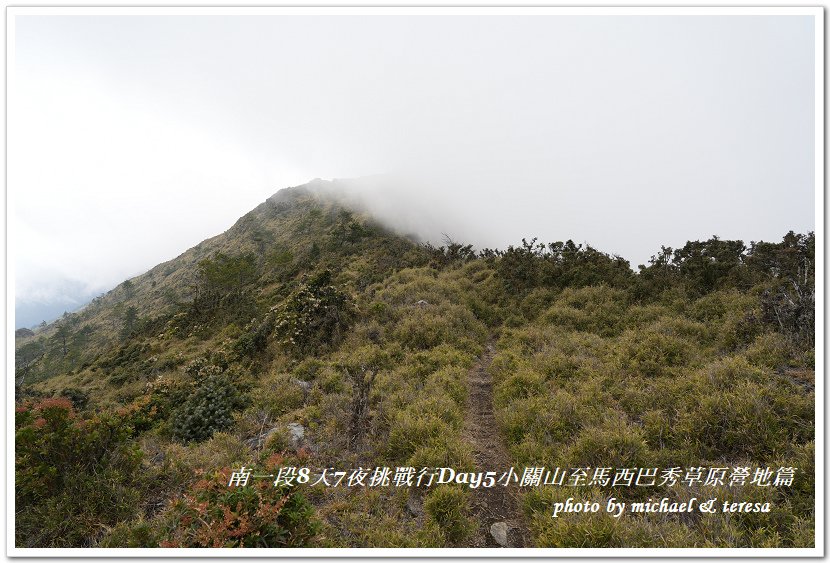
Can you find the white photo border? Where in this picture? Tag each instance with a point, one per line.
(817, 551)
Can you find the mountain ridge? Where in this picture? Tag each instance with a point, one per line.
(309, 335)
(170, 283)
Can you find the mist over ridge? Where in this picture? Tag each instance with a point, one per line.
(625, 133)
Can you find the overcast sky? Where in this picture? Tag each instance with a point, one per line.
(133, 138)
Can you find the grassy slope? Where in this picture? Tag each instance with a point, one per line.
(582, 377)
(597, 381)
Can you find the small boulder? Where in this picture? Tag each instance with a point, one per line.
(499, 532)
(297, 432)
(304, 385)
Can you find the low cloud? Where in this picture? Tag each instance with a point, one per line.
(132, 139)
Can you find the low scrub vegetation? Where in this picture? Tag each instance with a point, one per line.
(307, 335)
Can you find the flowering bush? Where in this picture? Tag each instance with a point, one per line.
(212, 514)
(315, 316)
(72, 476)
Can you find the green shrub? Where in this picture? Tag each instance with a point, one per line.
(213, 514)
(651, 353)
(521, 384)
(72, 476)
(536, 301)
(736, 331)
(315, 317)
(426, 421)
(614, 443)
(717, 305)
(449, 382)
(79, 398)
(374, 518)
(408, 286)
(686, 329)
(423, 329)
(409, 431)
(642, 315)
(134, 534)
(551, 419)
(278, 395)
(600, 310)
(443, 451)
(725, 374)
(801, 496)
(209, 409)
(570, 530)
(428, 361)
(751, 419)
(254, 339)
(449, 508)
(771, 350)
(560, 366)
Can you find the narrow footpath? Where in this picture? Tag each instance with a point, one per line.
(496, 505)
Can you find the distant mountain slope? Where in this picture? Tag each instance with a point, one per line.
(285, 235)
(309, 337)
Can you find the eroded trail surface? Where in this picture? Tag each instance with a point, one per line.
(498, 504)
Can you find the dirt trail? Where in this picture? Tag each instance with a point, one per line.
(497, 503)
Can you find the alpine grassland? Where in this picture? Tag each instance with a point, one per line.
(311, 336)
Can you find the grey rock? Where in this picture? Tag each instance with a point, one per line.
(304, 385)
(499, 533)
(297, 433)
